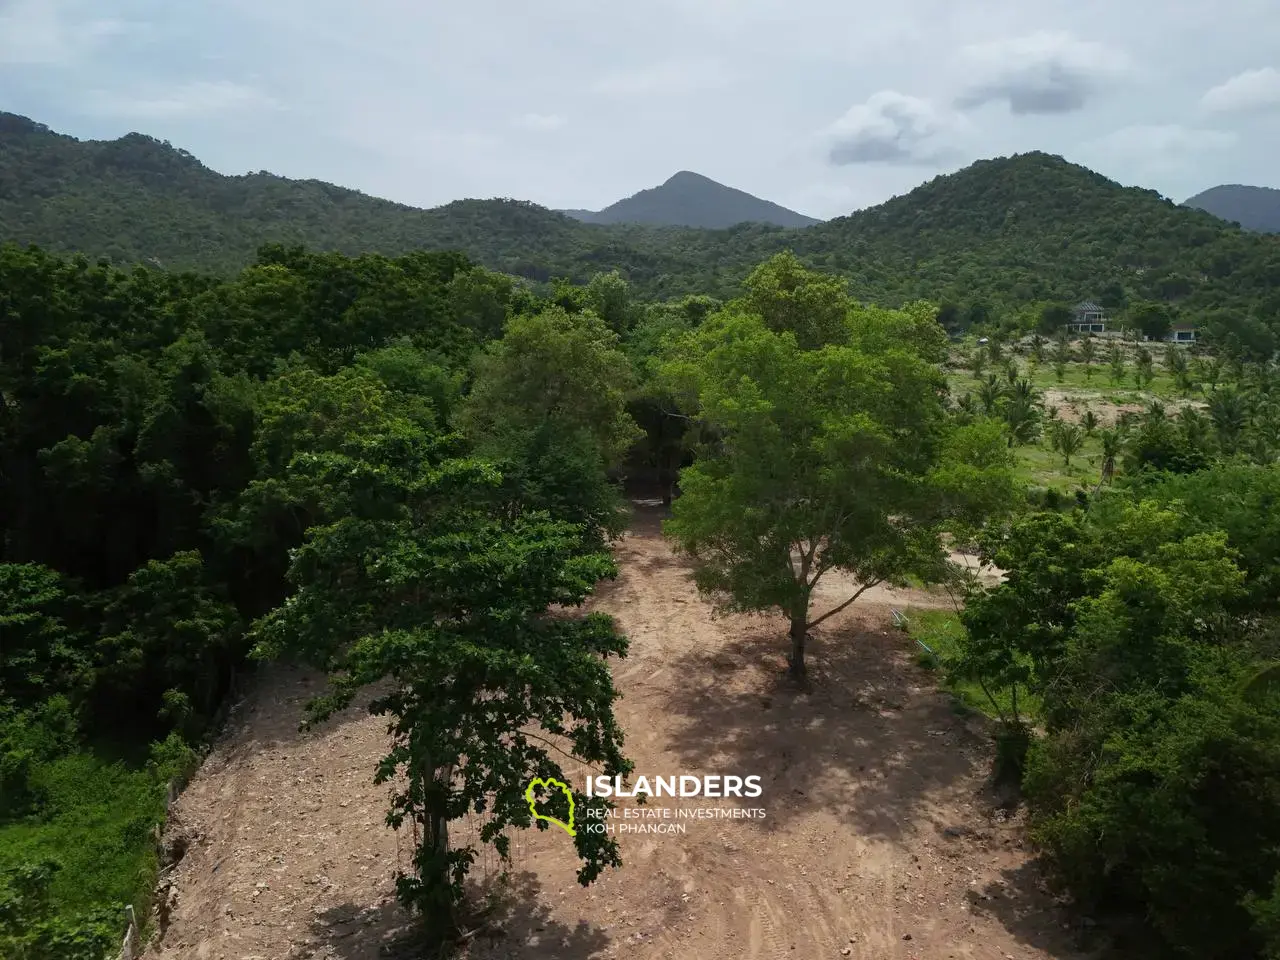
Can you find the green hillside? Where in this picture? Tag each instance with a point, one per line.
(1001, 233)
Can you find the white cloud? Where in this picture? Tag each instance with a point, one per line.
(663, 79)
(541, 121)
(1166, 139)
(44, 32)
(1245, 92)
(1042, 72)
(893, 127)
(1149, 154)
(200, 98)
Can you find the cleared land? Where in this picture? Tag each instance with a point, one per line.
(880, 841)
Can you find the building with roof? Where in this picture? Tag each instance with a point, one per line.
(1087, 317)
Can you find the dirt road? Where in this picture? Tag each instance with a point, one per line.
(877, 842)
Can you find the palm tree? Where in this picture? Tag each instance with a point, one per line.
(1011, 371)
(978, 362)
(1112, 441)
(1179, 367)
(1023, 418)
(1089, 421)
(1116, 358)
(1144, 368)
(1037, 348)
(1087, 353)
(1230, 414)
(1067, 440)
(1195, 427)
(990, 394)
(1210, 371)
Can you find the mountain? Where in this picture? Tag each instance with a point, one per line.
(1001, 234)
(1254, 208)
(692, 200)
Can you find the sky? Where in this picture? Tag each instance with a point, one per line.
(824, 106)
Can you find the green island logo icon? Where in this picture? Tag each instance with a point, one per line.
(551, 784)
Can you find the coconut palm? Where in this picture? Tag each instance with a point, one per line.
(1088, 351)
(1230, 414)
(1067, 439)
(1112, 441)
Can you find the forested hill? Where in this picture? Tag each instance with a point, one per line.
(1000, 233)
(1034, 227)
(692, 200)
(137, 199)
(1254, 208)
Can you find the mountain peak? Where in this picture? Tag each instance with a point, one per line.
(1254, 208)
(688, 199)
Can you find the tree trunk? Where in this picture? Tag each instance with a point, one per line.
(799, 631)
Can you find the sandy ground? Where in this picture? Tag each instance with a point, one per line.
(880, 840)
(1072, 403)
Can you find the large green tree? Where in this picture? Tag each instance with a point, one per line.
(822, 460)
(548, 403)
(413, 575)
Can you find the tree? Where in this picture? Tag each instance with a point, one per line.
(1175, 361)
(1143, 369)
(1037, 348)
(1115, 358)
(990, 393)
(1230, 415)
(1061, 356)
(789, 296)
(479, 299)
(1067, 439)
(1112, 440)
(1054, 318)
(414, 576)
(549, 405)
(978, 361)
(1151, 319)
(609, 295)
(1089, 421)
(822, 460)
(1088, 351)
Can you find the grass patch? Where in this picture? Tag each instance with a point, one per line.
(942, 632)
(1075, 378)
(96, 820)
(1039, 466)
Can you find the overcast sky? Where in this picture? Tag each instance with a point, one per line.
(825, 106)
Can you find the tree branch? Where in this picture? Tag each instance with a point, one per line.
(831, 613)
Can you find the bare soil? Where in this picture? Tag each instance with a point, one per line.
(881, 839)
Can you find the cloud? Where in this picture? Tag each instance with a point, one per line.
(540, 121)
(1142, 153)
(1166, 139)
(892, 127)
(44, 32)
(200, 98)
(1040, 73)
(663, 79)
(1245, 92)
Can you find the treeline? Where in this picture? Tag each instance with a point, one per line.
(399, 468)
(178, 450)
(997, 239)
